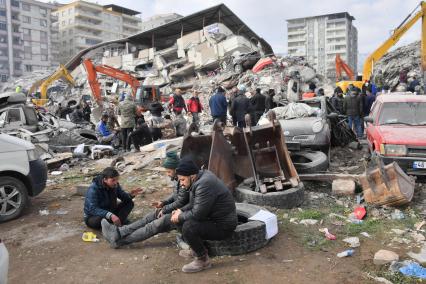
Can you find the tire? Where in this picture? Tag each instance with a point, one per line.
(247, 237)
(287, 199)
(17, 193)
(310, 161)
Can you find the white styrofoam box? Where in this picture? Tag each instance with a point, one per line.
(270, 221)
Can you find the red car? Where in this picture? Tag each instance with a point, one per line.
(396, 130)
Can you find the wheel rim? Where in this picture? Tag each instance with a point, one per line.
(10, 200)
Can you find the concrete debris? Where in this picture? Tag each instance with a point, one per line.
(384, 257)
(343, 187)
(353, 242)
(420, 257)
(308, 222)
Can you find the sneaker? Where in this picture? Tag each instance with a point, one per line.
(110, 233)
(198, 264)
(187, 253)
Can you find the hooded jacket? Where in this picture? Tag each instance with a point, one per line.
(101, 201)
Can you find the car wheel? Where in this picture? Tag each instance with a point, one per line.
(13, 198)
(287, 199)
(247, 237)
(309, 161)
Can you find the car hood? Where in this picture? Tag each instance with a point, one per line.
(403, 134)
(298, 126)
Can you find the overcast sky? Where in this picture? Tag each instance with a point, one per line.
(374, 19)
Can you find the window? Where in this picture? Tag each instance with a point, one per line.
(43, 57)
(3, 26)
(4, 78)
(28, 68)
(43, 36)
(13, 115)
(43, 11)
(43, 23)
(3, 13)
(63, 23)
(14, 3)
(27, 34)
(15, 28)
(26, 19)
(92, 41)
(16, 40)
(3, 52)
(3, 39)
(27, 49)
(28, 55)
(3, 2)
(44, 51)
(70, 32)
(43, 45)
(26, 7)
(63, 13)
(17, 65)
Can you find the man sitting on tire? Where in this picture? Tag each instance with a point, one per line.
(211, 214)
(101, 200)
(158, 221)
(104, 135)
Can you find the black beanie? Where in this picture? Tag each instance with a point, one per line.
(187, 167)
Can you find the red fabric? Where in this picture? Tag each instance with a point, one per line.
(194, 105)
(308, 95)
(360, 212)
(262, 63)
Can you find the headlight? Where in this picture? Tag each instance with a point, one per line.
(32, 155)
(393, 150)
(317, 126)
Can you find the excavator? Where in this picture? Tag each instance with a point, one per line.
(61, 73)
(342, 66)
(92, 72)
(408, 22)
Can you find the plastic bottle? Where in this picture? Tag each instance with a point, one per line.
(346, 253)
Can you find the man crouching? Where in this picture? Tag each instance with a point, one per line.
(211, 214)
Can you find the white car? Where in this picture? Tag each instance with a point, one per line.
(4, 263)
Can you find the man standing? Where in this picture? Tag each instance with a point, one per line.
(218, 105)
(101, 200)
(211, 213)
(127, 110)
(239, 108)
(269, 102)
(77, 115)
(86, 111)
(352, 107)
(158, 221)
(257, 106)
(177, 102)
(337, 100)
(195, 107)
(141, 136)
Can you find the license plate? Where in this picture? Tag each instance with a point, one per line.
(419, 165)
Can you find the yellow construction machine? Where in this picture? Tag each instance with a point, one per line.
(60, 73)
(408, 22)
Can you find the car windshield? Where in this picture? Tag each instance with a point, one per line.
(408, 113)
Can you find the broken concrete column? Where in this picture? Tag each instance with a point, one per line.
(385, 256)
(343, 187)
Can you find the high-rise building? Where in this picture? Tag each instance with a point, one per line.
(158, 20)
(27, 37)
(320, 38)
(83, 24)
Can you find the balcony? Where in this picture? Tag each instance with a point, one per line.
(94, 17)
(88, 6)
(53, 18)
(87, 25)
(296, 25)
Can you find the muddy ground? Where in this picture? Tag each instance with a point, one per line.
(49, 248)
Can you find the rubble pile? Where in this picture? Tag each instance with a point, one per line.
(403, 58)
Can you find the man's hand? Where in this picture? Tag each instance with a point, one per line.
(175, 216)
(116, 220)
(136, 191)
(157, 204)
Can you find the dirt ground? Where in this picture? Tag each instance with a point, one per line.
(49, 248)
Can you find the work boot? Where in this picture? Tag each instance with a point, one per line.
(187, 253)
(110, 233)
(198, 264)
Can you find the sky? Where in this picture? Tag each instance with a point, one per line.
(374, 19)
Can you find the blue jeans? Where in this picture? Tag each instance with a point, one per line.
(356, 122)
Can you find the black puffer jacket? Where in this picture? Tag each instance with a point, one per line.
(178, 199)
(258, 102)
(240, 107)
(352, 105)
(211, 200)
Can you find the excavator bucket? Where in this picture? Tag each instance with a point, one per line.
(387, 185)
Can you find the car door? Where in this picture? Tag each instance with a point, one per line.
(371, 130)
(12, 118)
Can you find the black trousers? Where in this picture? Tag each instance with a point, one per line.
(221, 118)
(125, 132)
(139, 137)
(122, 211)
(194, 232)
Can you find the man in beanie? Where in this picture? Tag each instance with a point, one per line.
(101, 200)
(158, 221)
(210, 215)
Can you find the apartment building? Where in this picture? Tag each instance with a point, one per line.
(320, 38)
(83, 24)
(158, 20)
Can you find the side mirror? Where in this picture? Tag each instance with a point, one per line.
(368, 119)
(332, 115)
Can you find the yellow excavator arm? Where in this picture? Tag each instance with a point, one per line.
(61, 73)
(396, 36)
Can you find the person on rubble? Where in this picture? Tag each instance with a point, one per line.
(337, 100)
(352, 107)
(320, 92)
(177, 102)
(269, 102)
(240, 107)
(155, 108)
(155, 222)
(310, 93)
(180, 125)
(101, 200)
(155, 123)
(218, 105)
(127, 110)
(231, 97)
(195, 107)
(257, 106)
(87, 111)
(413, 84)
(210, 215)
(77, 115)
(379, 80)
(168, 129)
(140, 136)
(112, 115)
(103, 132)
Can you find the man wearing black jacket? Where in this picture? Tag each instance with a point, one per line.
(211, 213)
(257, 106)
(158, 221)
(239, 108)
